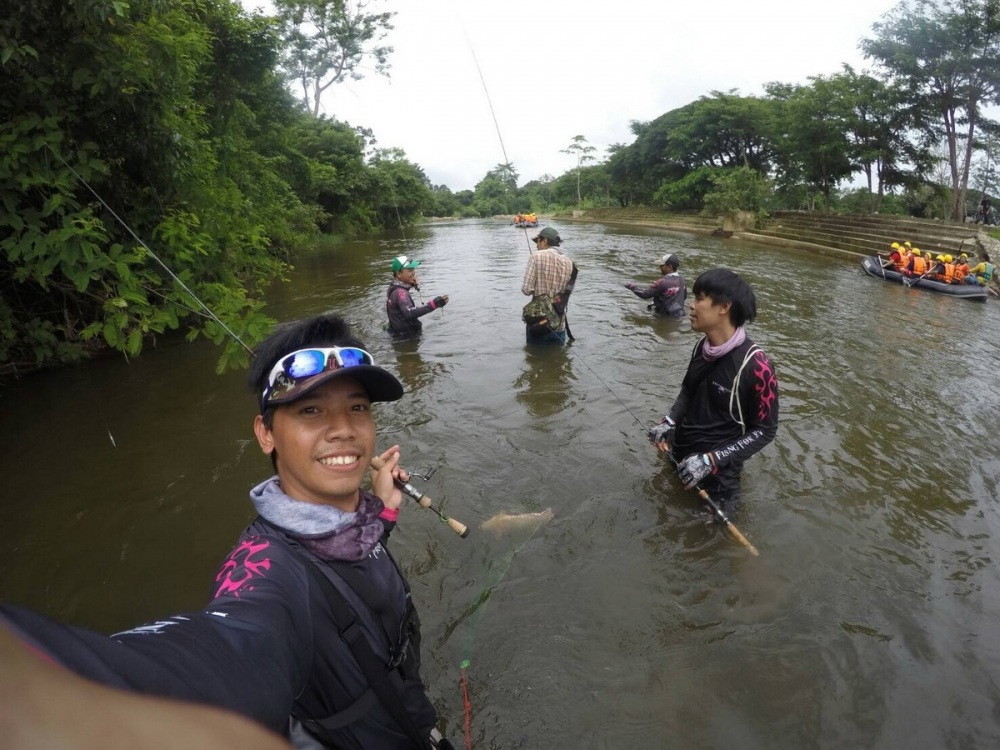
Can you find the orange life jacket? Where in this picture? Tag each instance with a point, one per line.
(949, 273)
(905, 261)
(960, 274)
(919, 266)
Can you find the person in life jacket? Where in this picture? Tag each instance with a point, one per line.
(403, 314)
(668, 292)
(550, 273)
(983, 272)
(905, 256)
(947, 273)
(936, 270)
(961, 269)
(311, 630)
(727, 408)
(917, 265)
(895, 260)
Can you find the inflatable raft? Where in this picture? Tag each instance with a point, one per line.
(873, 267)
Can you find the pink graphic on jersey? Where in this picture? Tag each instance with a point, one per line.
(765, 384)
(241, 567)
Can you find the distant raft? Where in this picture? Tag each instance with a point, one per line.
(504, 522)
(873, 267)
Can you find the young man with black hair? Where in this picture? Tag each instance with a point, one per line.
(668, 292)
(727, 409)
(311, 630)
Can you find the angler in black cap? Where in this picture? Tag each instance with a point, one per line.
(668, 292)
(311, 630)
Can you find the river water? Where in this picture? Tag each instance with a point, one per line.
(871, 618)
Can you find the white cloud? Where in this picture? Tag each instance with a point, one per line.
(559, 68)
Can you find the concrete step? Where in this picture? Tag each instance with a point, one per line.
(874, 243)
(895, 227)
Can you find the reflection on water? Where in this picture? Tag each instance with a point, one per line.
(869, 620)
(414, 372)
(544, 386)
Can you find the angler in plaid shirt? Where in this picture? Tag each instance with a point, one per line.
(549, 272)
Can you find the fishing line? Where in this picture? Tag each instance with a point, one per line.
(493, 114)
(475, 612)
(155, 257)
(624, 405)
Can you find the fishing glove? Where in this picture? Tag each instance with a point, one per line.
(663, 432)
(695, 468)
(438, 302)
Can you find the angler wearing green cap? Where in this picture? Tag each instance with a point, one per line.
(548, 280)
(403, 313)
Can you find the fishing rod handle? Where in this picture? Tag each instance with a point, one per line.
(459, 528)
(730, 526)
(419, 497)
(423, 500)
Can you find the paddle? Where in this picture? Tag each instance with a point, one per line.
(720, 516)
(910, 282)
(881, 267)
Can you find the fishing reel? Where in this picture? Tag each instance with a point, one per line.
(425, 474)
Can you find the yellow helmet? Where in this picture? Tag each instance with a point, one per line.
(894, 246)
(964, 255)
(916, 251)
(948, 259)
(941, 258)
(907, 243)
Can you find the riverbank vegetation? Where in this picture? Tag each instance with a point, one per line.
(151, 148)
(175, 116)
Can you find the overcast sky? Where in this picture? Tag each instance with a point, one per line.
(555, 69)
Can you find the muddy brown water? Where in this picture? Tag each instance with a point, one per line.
(871, 618)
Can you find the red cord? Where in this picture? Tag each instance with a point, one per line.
(468, 711)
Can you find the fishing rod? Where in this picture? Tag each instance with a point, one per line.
(717, 512)
(493, 114)
(719, 515)
(423, 500)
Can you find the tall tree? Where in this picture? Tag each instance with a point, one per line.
(885, 143)
(581, 151)
(946, 54)
(811, 132)
(328, 41)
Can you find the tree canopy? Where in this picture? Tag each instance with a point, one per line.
(945, 56)
(328, 41)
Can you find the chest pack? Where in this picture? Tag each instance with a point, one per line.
(544, 313)
(735, 405)
(540, 315)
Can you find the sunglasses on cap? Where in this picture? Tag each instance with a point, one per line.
(292, 369)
